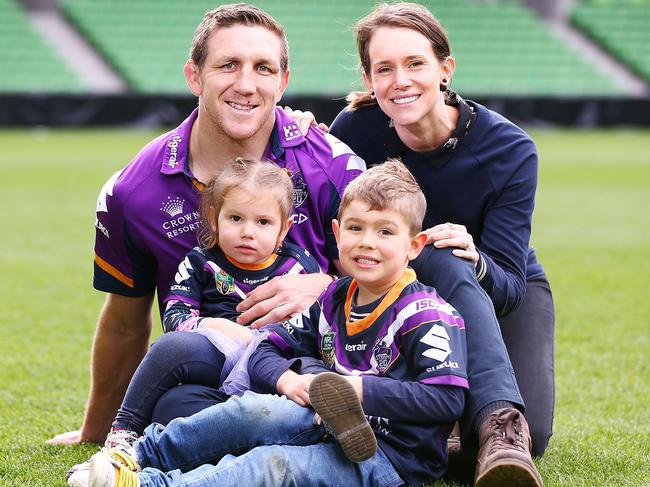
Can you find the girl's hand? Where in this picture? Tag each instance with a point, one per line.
(229, 328)
(455, 236)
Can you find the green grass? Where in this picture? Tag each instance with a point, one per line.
(590, 229)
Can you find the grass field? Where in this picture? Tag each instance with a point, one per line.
(589, 229)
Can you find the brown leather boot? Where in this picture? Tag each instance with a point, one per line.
(504, 456)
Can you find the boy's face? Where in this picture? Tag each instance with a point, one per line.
(375, 247)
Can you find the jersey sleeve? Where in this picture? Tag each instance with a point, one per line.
(183, 303)
(433, 342)
(505, 237)
(344, 167)
(281, 350)
(120, 267)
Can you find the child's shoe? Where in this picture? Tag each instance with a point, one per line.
(113, 468)
(336, 402)
(77, 476)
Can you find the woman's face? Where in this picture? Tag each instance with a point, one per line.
(405, 75)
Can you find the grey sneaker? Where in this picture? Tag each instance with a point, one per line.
(504, 458)
(336, 402)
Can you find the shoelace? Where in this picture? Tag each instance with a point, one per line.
(120, 439)
(506, 431)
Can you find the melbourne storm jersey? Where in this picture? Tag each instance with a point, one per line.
(147, 213)
(410, 349)
(208, 284)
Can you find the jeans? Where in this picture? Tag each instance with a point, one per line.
(254, 440)
(491, 375)
(175, 358)
(529, 335)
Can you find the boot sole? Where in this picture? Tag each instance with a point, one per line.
(509, 473)
(335, 400)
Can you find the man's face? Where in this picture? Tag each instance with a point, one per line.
(240, 81)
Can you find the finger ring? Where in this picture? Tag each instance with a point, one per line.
(449, 226)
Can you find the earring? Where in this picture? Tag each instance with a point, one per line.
(443, 84)
(372, 93)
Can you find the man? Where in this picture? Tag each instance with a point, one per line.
(147, 213)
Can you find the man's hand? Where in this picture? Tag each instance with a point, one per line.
(305, 120)
(295, 387)
(280, 298)
(67, 438)
(120, 342)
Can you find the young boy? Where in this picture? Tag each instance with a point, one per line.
(398, 351)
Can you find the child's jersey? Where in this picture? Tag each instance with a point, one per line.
(208, 284)
(410, 343)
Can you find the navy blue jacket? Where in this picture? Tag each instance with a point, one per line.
(484, 177)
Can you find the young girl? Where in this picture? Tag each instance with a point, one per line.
(245, 213)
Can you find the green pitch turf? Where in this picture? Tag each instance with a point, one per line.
(591, 230)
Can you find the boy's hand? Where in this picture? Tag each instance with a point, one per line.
(295, 387)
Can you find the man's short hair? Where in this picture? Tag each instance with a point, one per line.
(389, 186)
(235, 14)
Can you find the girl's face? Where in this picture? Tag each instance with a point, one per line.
(405, 75)
(250, 226)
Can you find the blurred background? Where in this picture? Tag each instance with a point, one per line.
(116, 62)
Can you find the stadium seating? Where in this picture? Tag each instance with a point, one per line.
(28, 64)
(501, 48)
(622, 27)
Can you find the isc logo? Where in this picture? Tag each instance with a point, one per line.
(426, 304)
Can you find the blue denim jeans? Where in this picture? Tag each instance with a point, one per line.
(252, 440)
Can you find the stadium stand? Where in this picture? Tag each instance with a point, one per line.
(502, 48)
(29, 65)
(621, 27)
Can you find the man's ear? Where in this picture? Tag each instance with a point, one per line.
(417, 244)
(193, 77)
(284, 82)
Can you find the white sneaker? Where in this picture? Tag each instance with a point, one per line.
(113, 468)
(123, 440)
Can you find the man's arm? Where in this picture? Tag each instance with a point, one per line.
(120, 342)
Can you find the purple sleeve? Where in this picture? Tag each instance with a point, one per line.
(411, 401)
(120, 267)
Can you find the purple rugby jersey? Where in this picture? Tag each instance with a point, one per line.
(147, 213)
(409, 346)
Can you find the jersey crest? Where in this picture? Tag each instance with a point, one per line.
(225, 283)
(327, 347)
(383, 356)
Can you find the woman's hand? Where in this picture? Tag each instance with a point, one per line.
(304, 120)
(455, 236)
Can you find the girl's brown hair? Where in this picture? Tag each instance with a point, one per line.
(255, 177)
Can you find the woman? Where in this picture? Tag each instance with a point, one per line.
(478, 172)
